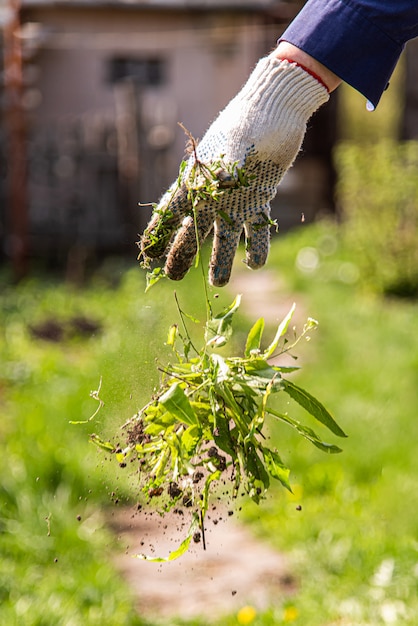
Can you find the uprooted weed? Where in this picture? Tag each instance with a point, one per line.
(207, 421)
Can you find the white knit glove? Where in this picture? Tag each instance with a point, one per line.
(261, 130)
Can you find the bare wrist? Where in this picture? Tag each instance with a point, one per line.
(288, 51)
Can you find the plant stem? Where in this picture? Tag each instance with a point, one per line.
(202, 528)
(184, 323)
(199, 261)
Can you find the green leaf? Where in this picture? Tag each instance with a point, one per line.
(286, 369)
(220, 368)
(254, 337)
(276, 468)
(222, 434)
(172, 335)
(307, 433)
(190, 438)
(149, 449)
(313, 406)
(225, 216)
(160, 419)
(153, 277)
(122, 456)
(190, 317)
(182, 169)
(219, 327)
(240, 419)
(177, 403)
(281, 330)
(256, 424)
(203, 413)
(255, 466)
(104, 445)
(205, 496)
(159, 468)
(259, 368)
(183, 547)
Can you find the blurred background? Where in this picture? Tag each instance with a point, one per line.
(90, 99)
(91, 93)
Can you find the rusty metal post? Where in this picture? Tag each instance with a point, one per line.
(16, 144)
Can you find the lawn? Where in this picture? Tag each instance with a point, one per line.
(353, 546)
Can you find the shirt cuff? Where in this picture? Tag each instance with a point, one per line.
(345, 40)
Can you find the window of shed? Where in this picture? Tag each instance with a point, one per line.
(142, 71)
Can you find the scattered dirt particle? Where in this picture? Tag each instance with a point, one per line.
(154, 493)
(174, 491)
(197, 476)
(135, 433)
(221, 463)
(187, 501)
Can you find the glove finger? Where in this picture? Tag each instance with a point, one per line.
(184, 248)
(225, 244)
(257, 236)
(164, 222)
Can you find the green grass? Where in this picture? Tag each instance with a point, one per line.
(354, 545)
(55, 565)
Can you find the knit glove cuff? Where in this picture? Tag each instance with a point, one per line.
(268, 116)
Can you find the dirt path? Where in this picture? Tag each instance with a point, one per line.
(263, 295)
(236, 569)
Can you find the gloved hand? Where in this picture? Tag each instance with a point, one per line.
(260, 131)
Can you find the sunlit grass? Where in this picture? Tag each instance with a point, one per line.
(55, 548)
(353, 545)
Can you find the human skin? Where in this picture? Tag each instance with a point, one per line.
(290, 52)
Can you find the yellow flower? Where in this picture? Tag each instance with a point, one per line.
(290, 614)
(246, 615)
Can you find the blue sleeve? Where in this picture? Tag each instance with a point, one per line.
(359, 40)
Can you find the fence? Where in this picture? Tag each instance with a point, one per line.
(87, 175)
(85, 179)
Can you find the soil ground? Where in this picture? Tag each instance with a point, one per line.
(235, 570)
